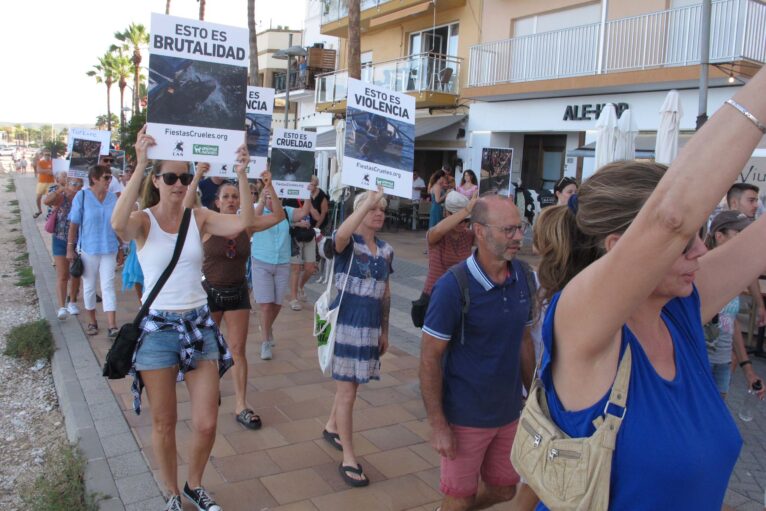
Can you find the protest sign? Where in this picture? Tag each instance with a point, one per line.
(119, 160)
(260, 106)
(292, 162)
(495, 175)
(83, 155)
(379, 146)
(103, 136)
(197, 89)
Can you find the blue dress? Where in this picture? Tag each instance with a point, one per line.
(131, 269)
(356, 357)
(678, 443)
(437, 212)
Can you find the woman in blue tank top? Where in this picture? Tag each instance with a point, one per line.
(625, 266)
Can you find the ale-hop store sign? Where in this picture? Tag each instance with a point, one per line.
(589, 111)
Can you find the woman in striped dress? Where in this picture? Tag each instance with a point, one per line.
(362, 327)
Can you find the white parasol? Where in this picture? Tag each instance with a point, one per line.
(666, 146)
(606, 139)
(627, 131)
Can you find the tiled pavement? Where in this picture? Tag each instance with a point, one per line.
(287, 466)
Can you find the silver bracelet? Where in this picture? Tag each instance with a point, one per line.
(744, 111)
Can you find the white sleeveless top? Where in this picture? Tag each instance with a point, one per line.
(183, 290)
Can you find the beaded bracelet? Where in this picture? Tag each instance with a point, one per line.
(744, 111)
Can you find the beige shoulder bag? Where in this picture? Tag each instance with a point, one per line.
(569, 473)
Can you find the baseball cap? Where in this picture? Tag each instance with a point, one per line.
(733, 220)
(455, 201)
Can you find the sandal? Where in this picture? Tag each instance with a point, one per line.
(332, 439)
(356, 483)
(295, 305)
(92, 329)
(249, 419)
(112, 332)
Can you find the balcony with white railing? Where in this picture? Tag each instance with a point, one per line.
(334, 10)
(660, 39)
(433, 79)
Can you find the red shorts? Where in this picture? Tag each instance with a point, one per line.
(479, 451)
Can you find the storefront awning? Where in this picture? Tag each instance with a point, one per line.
(644, 146)
(423, 126)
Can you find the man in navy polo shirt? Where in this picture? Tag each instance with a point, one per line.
(471, 374)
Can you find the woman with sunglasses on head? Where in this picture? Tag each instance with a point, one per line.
(564, 189)
(627, 269)
(91, 231)
(60, 199)
(228, 295)
(179, 338)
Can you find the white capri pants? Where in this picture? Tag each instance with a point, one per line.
(99, 267)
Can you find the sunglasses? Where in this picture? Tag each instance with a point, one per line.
(106, 177)
(693, 239)
(231, 249)
(170, 179)
(107, 160)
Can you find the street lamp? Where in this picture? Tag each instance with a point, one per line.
(287, 54)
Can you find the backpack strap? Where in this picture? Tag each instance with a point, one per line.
(459, 272)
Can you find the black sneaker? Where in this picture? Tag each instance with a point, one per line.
(174, 504)
(201, 499)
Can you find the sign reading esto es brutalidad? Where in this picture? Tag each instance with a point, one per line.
(590, 111)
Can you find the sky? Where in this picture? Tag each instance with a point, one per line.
(47, 46)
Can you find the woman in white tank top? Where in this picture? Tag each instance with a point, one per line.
(179, 337)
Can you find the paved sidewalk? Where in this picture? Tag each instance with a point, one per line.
(286, 465)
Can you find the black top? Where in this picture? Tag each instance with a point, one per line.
(316, 203)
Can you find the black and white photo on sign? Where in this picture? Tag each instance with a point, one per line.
(259, 109)
(495, 175)
(197, 89)
(379, 145)
(83, 155)
(103, 136)
(292, 162)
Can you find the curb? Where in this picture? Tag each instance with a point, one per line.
(116, 469)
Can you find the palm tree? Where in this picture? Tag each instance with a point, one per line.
(104, 73)
(354, 40)
(121, 67)
(201, 10)
(255, 78)
(135, 36)
(102, 121)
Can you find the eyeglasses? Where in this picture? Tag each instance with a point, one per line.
(509, 230)
(170, 179)
(74, 183)
(231, 249)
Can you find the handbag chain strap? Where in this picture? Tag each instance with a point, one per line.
(182, 230)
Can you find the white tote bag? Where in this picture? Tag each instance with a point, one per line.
(325, 318)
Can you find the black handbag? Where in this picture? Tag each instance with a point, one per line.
(419, 308)
(76, 267)
(120, 357)
(302, 234)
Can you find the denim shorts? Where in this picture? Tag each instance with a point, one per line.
(163, 348)
(58, 247)
(722, 376)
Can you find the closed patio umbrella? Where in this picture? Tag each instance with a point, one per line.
(666, 146)
(627, 131)
(336, 188)
(606, 139)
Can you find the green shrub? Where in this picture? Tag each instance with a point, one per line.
(30, 341)
(61, 485)
(10, 187)
(19, 240)
(13, 202)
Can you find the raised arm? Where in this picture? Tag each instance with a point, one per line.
(217, 224)
(190, 199)
(655, 239)
(347, 228)
(438, 231)
(127, 224)
(261, 221)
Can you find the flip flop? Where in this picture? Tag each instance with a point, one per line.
(332, 439)
(356, 483)
(249, 419)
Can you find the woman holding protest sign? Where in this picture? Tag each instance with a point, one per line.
(362, 267)
(60, 199)
(89, 228)
(228, 295)
(179, 337)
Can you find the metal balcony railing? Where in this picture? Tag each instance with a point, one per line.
(334, 10)
(424, 72)
(660, 39)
